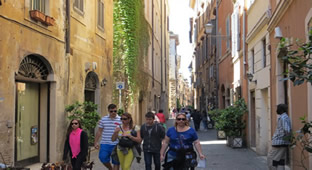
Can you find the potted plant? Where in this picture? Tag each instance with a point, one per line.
(231, 122)
(37, 15)
(50, 21)
(214, 115)
(87, 113)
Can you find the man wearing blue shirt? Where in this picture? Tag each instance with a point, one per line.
(280, 143)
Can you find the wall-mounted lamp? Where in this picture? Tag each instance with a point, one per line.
(278, 33)
(208, 28)
(104, 82)
(250, 77)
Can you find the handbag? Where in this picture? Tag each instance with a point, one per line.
(125, 141)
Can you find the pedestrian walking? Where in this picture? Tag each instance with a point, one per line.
(180, 138)
(205, 120)
(130, 134)
(152, 133)
(106, 129)
(280, 142)
(196, 118)
(161, 117)
(76, 144)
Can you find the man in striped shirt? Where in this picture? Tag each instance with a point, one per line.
(280, 141)
(106, 129)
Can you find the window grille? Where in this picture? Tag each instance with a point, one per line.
(38, 5)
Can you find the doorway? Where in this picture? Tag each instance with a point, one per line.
(32, 111)
(253, 119)
(27, 123)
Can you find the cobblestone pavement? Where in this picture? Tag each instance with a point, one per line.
(218, 155)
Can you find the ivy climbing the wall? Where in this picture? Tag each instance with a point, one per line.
(131, 41)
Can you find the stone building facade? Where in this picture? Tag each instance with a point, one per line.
(173, 70)
(52, 54)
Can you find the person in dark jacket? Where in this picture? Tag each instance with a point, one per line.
(152, 134)
(196, 118)
(76, 144)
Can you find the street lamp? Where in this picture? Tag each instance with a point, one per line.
(208, 28)
(250, 76)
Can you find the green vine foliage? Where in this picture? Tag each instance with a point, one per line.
(299, 59)
(131, 42)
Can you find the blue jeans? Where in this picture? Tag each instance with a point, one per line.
(148, 160)
(205, 123)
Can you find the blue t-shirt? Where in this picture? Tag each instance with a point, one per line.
(181, 139)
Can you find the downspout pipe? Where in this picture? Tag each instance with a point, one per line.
(153, 82)
(217, 55)
(244, 44)
(244, 76)
(67, 26)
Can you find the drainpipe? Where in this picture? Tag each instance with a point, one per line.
(244, 75)
(161, 54)
(153, 83)
(217, 56)
(67, 40)
(244, 44)
(67, 25)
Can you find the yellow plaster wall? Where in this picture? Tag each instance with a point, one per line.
(19, 37)
(255, 12)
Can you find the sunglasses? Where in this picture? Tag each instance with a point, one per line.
(113, 111)
(179, 119)
(74, 123)
(123, 118)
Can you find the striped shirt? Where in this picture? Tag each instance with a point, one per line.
(108, 125)
(283, 130)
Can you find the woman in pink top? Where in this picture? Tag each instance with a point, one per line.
(76, 144)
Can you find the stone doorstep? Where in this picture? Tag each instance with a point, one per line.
(37, 166)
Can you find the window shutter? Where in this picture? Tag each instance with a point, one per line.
(233, 34)
(237, 31)
(81, 5)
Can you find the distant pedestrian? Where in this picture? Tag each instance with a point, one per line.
(152, 134)
(161, 118)
(205, 120)
(173, 113)
(76, 144)
(196, 118)
(126, 154)
(106, 129)
(181, 138)
(280, 143)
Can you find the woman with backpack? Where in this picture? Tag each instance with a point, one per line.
(180, 138)
(129, 136)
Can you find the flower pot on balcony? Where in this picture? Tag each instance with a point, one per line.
(37, 15)
(49, 21)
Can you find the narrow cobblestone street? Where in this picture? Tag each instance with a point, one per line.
(218, 155)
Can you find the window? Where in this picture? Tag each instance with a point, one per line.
(211, 71)
(100, 14)
(228, 32)
(78, 4)
(204, 49)
(38, 5)
(252, 61)
(235, 30)
(264, 52)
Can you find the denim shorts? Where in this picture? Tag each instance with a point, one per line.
(106, 152)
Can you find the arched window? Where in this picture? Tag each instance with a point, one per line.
(33, 67)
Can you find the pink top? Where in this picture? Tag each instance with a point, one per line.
(74, 142)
